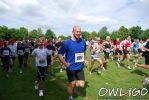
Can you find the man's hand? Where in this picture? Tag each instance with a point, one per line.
(67, 64)
(51, 63)
(86, 62)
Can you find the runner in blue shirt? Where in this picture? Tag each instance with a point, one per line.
(5, 54)
(74, 50)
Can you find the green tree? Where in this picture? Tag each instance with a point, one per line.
(39, 32)
(103, 32)
(144, 35)
(85, 35)
(146, 32)
(22, 33)
(4, 32)
(50, 34)
(113, 36)
(135, 32)
(92, 35)
(33, 34)
(122, 33)
(68, 37)
(12, 33)
(62, 37)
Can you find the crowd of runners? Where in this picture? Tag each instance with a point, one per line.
(71, 54)
(117, 51)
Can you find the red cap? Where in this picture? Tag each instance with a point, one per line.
(12, 41)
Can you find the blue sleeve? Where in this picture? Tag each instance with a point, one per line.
(85, 46)
(63, 48)
(9, 50)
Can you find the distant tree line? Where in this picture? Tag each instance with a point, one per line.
(136, 32)
(23, 33)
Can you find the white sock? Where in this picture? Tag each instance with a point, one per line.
(70, 97)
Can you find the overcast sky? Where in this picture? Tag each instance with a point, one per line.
(61, 15)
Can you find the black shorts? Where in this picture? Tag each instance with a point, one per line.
(48, 60)
(147, 60)
(139, 50)
(112, 53)
(13, 57)
(118, 52)
(6, 62)
(106, 55)
(126, 52)
(26, 54)
(74, 75)
(20, 59)
(41, 72)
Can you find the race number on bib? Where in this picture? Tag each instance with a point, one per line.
(42, 61)
(128, 48)
(6, 52)
(118, 46)
(20, 52)
(108, 50)
(95, 56)
(27, 50)
(79, 57)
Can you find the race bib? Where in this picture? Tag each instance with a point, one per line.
(118, 46)
(108, 50)
(27, 50)
(6, 52)
(95, 56)
(79, 57)
(128, 48)
(42, 61)
(20, 52)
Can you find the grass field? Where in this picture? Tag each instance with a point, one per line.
(21, 86)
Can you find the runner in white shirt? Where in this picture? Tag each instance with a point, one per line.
(95, 56)
(40, 54)
(13, 48)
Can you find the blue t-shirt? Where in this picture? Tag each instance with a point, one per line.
(72, 50)
(136, 45)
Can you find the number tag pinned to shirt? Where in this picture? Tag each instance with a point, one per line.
(95, 56)
(20, 52)
(27, 50)
(6, 52)
(79, 57)
(108, 50)
(41, 61)
(128, 48)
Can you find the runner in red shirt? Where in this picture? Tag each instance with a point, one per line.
(118, 51)
(126, 48)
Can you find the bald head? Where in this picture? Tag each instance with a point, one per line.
(76, 28)
(76, 32)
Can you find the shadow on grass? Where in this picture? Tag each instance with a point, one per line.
(139, 72)
(57, 89)
(80, 91)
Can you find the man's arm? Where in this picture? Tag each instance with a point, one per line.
(61, 59)
(52, 59)
(85, 58)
